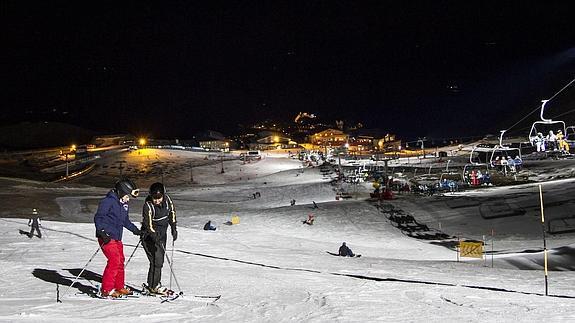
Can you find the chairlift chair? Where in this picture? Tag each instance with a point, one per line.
(501, 150)
(548, 124)
(475, 155)
(570, 133)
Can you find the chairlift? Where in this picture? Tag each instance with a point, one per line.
(492, 157)
(457, 177)
(480, 154)
(476, 163)
(545, 125)
(501, 150)
(468, 168)
(570, 133)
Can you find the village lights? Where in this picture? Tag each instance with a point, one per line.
(142, 141)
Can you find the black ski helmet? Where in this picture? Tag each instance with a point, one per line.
(157, 190)
(125, 186)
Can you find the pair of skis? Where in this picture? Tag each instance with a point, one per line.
(169, 296)
(165, 298)
(194, 298)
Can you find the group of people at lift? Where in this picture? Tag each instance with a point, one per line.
(551, 142)
(507, 164)
(478, 178)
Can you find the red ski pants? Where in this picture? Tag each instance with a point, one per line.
(113, 277)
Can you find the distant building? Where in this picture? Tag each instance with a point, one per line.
(213, 140)
(329, 138)
(273, 142)
(373, 140)
(360, 144)
(389, 142)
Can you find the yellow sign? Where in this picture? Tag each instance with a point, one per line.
(471, 249)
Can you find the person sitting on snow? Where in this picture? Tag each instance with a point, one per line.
(310, 219)
(344, 251)
(209, 226)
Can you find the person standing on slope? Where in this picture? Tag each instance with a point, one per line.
(158, 213)
(110, 220)
(34, 223)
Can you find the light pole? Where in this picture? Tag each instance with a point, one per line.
(66, 165)
(121, 167)
(222, 159)
(191, 172)
(421, 140)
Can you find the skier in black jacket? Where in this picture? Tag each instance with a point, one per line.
(158, 213)
(34, 223)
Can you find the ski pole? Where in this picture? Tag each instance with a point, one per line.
(80, 274)
(172, 263)
(171, 269)
(133, 252)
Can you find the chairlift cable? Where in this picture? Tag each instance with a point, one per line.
(566, 86)
(564, 113)
(539, 107)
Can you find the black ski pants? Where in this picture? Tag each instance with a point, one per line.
(155, 250)
(35, 227)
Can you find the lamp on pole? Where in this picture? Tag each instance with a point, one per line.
(422, 140)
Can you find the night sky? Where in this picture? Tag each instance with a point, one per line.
(416, 68)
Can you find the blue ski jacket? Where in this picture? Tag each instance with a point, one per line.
(112, 217)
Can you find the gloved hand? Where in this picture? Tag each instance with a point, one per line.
(104, 236)
(105, 239)
(137, 232)
(174, 233)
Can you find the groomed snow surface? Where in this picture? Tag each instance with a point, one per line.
(273, 268)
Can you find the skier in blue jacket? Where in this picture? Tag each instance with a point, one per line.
(110, 220)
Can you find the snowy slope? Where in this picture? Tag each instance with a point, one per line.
(273, 268)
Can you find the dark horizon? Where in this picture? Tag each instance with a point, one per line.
(443, 69)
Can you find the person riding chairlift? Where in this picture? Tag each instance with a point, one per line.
(561, 142)
(539, 142)
(551, 140)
